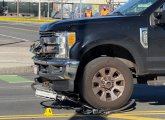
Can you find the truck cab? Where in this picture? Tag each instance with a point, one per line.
(99, 58)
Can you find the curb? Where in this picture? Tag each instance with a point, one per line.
(16, 70)
(25, 20)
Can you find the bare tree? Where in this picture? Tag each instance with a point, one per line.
(111, 4)
(62, 7)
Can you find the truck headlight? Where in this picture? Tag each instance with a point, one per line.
(65, 40)
(57, 44)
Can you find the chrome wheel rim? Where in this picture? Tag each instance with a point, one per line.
(108, 84)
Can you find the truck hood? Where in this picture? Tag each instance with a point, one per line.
(65, 25)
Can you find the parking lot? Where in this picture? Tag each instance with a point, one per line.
(17, 99)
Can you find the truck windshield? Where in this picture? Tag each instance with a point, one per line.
(133, 7)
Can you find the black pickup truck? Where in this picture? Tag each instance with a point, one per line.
(99, 58)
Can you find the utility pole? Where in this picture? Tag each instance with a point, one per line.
(80, 8)
(48, 9)
(111, 4)
(62, 4)
(39, 10)
(3, 4)
(18, 8)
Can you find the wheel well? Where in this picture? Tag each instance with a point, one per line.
(105, 50)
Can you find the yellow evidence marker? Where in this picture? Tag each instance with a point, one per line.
(48, 112)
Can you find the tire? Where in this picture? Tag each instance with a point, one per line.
(107, 83)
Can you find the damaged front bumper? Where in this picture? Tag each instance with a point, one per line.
(60, 72)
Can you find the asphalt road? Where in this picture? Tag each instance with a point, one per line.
(17, 99)
(15, 42)
(15, 32)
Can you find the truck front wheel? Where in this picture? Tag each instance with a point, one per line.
(107, 83)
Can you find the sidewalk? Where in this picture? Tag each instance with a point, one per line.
(15, 60)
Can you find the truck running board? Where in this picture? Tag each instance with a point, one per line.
(156, 83)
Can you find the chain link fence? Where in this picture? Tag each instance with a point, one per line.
(69, 10)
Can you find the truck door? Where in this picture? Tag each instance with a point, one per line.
(156, 43)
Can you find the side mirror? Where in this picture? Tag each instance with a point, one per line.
(159, 18)
(157, 15)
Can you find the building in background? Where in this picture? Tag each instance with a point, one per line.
(71, 8)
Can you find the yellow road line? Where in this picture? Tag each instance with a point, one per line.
(145, 113)
(24, 19)
(18, 28)
(117, 115)
(70, 114)
(36, 115)
(13, 117)
(126, 117)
